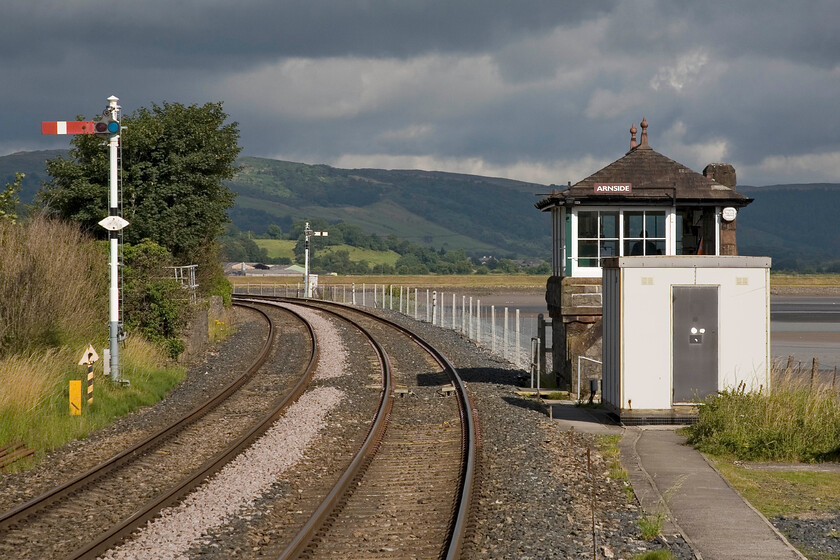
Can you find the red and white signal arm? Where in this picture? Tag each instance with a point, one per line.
(67, 127)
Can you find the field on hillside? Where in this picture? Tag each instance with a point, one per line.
(277, 248)
(369, 255)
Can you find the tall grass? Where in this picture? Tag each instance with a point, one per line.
(791, 423)
(35, 406)
(53, 303)
(53, 286)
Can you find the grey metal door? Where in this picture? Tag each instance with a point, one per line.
(695, 359)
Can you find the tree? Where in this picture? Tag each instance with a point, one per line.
(174, 162)
(9, 199)
(275, 231)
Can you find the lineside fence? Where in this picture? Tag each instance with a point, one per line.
(502, 331)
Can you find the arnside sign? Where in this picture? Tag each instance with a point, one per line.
(613, 188)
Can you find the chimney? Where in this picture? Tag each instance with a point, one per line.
(722, 173)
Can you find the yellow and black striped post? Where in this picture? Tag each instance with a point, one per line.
(90, 384)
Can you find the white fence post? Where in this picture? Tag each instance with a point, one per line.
(478, 321)
(517, 338)
(463, 314)
(506, 353)
(493, 329)
(470, 325)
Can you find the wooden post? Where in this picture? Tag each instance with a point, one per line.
(541, 336)
(516, 339)
(815, 364)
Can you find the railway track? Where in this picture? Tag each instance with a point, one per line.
(156, 472)
(407, 492)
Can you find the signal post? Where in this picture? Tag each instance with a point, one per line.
(107, 125)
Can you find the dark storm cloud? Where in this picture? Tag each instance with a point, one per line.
(201, 32)
(535, 90)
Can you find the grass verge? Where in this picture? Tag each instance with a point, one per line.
(655, 555)
(788, 424)
(775, 493)
(608, 447)
(35, 409)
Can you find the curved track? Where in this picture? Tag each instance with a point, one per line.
(41, 520)
(407, 492)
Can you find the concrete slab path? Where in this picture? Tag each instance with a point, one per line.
(672, 477)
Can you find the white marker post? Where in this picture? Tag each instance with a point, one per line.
(307, 232)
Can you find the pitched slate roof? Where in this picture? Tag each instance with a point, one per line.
(654, 178)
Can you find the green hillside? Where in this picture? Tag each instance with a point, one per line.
(794, 224)
(444, 210)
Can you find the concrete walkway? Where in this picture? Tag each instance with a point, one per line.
(674, 479)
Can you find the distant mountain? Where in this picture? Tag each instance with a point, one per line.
(33, 164)
(794, 224)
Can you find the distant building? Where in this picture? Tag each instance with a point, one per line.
(641, 204)
(260, 269)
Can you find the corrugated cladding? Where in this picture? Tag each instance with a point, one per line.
(611, 347)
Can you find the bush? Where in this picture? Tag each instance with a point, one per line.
(154, 303)
(789, 424)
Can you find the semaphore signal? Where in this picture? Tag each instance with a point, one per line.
(107, 125)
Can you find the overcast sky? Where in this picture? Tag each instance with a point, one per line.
(535, 90)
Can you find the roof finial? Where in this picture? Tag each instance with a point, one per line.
(644, 142)
(633, 131)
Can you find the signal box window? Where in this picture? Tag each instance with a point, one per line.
(598, 236)
(644, 232)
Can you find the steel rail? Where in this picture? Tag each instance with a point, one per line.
(361, 459)
(459, 523)
(116, 534)
(53, 495)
